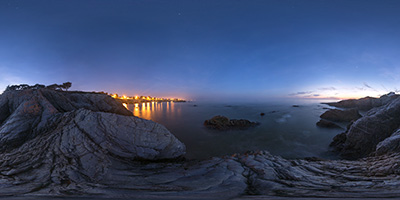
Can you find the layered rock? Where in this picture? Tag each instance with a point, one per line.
(362, 137)
(254, 173)
(365, 103)
(223, 123)
(99, 119)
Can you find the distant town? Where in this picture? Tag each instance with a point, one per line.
(143, 99)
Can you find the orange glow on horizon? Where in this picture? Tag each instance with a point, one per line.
(338, 97)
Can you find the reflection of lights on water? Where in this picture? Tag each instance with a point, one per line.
(125, 105)
(153, 110)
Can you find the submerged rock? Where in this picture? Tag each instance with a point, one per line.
(341, 115)
(223, 123)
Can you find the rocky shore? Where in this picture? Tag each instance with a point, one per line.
(74, 144)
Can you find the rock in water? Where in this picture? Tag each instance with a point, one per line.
(341, 115)
(223, 123)
(327, 124)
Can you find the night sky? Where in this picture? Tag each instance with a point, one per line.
(204, 50)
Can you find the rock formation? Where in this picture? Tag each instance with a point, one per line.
(365, 103)
(75, 144)
(341, 115)
(223, 123)
(362, 137)
(69, 118)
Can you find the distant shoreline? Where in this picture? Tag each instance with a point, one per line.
(134, 101)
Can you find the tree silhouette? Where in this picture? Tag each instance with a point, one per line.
(66, 85)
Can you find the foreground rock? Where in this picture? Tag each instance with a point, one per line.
(223, 123)
(257, 173)
(362, 136)
(81, 123)
(341, 115)
(365, 103)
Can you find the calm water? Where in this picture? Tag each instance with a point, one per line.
(284, 130)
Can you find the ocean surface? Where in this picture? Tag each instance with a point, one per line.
(284, 130)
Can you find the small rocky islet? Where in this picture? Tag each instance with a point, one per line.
(223, 123)
(79, 144)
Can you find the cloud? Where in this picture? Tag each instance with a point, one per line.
(384, 88)
(316, 95)
(300, 93)
(366, 85)
(360, 88)
(327, 88)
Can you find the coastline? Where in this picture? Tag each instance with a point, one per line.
(81, 146)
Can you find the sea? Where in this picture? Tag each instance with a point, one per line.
(287, 129)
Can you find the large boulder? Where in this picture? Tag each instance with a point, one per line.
(223, 123)
(341, 115)
(97, 118)
(362, 136)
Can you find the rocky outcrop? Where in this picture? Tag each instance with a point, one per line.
(341, 115)
(253, 173)
(82, 117)
(362, 137)
(223, 123)
(365, 103)
(77, 150)
(327, 124)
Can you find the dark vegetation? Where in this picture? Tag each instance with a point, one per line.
(65, 86)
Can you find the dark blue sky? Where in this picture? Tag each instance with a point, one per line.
(204, 49)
